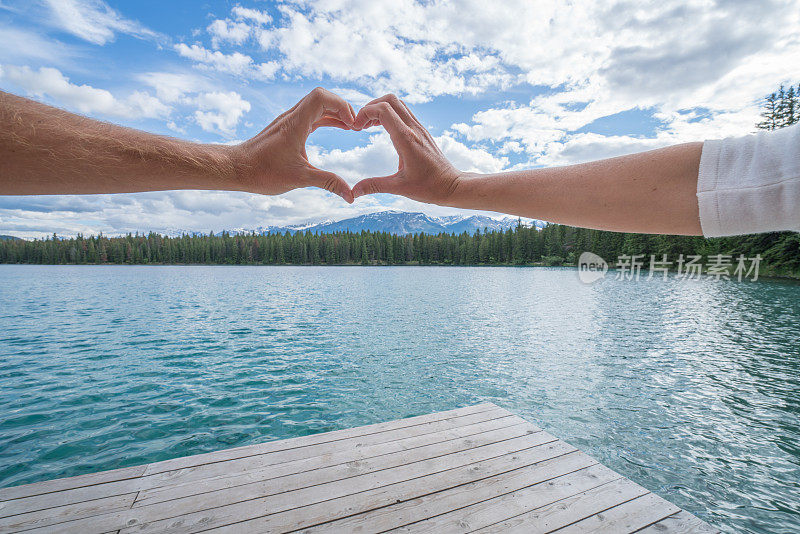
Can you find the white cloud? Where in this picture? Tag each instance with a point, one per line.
(220, 111)
(532, 128)
(267, 70)
(244, 24)
(470, 159)
(697, 66)
(545, 129)
(652, 52)
(353, 96)
(669, 58)
(94, 20)
(172, 212)
(50, 82)
(568, 148)
(172, 125)
(174, 86)
(595, 59)
(655, 51)
(381, 46)
(166, 212)
(378, 158)
(254, 15)
(214, 111)
(234, 63)
(226, 31)
(36, 46)
(144, 104)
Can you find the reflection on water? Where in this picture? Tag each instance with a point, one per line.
(689, 388)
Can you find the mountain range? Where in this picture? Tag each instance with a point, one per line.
(402, 223)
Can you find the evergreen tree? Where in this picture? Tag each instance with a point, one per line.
(788, 108)
(769, 113)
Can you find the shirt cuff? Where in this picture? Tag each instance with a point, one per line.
(751, 184)
(707, 199)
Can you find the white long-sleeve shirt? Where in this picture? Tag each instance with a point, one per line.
(751, 184)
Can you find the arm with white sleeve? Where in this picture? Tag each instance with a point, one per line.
(751, 184)
(733, 186)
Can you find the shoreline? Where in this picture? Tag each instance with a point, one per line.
(769, 276)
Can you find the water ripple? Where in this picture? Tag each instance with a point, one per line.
(691, 389)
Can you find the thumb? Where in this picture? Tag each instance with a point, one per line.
(331, 182)
(377, 184)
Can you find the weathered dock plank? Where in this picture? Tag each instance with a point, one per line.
(474, 469)
(248, 464)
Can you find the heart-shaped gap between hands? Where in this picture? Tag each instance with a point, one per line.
(275, 160)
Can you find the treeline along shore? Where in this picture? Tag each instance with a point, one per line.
(552, 245)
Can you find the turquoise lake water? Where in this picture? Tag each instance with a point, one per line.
(689, 388)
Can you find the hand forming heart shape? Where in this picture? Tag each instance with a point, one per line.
(275, 160)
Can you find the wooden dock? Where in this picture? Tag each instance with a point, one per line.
(475, 469)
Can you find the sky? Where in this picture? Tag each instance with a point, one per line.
(501, 85)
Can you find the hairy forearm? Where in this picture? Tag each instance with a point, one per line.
(50, 151)
(650, 192)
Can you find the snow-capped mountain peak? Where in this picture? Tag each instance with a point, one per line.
(403, 223)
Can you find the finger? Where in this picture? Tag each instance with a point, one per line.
(369, 124)
(320, 102)
(330, 182)
(378, 184)
(332, 122)
(410, 112)
(404, 112)
(399, 108)
(281, 116)
(382, 113)
(420, 127)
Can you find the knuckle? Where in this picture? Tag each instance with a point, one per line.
(330, 184)
(391, 97)
(383, 107)
(284, 127)
(317, 94)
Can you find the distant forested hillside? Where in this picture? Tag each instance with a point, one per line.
(552, 245)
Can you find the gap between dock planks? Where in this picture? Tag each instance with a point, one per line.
(473, 469)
